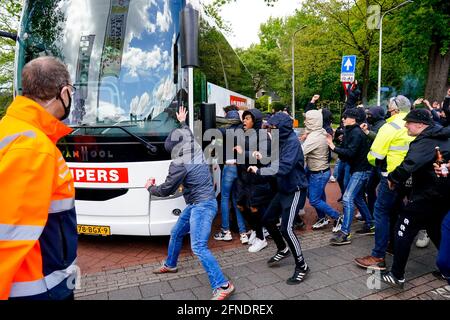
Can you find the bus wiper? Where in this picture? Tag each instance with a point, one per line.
(144, 142)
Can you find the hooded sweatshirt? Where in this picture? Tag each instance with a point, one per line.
(376, 120)
(188, 168)
(253, 190)
(288, 165)
(315, 147)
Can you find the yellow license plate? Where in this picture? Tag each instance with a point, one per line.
(96, 230)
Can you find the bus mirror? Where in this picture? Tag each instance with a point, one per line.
(9, 35)
(189, 22)
(208, 116)
(175, 62)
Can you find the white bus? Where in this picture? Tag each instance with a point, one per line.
(133, 62)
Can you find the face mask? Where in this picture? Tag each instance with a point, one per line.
(66, 108)
(388, 115)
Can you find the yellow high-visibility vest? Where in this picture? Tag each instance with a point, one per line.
(392, 142)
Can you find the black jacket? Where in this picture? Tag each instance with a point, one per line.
(354, 95)
(188, 168)
(419, 163)
(310, 106)
(253, 190)
(288, 166)
(354, 149)
(446, 109)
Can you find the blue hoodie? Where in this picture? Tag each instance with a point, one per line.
(188, 168)
(290, 175)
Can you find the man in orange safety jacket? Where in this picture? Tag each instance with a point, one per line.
(38, 236)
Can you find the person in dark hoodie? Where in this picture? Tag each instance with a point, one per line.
(327, 117)
(190, 169)
(375, 120)
(288, 168)
(353, 95)
(354, 151)
(254, 192)
(428, 202)
(228, 181)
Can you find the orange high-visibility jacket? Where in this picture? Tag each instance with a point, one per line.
(38, 236)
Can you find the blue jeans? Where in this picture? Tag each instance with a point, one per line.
(316, 194)
(386, 200)
(229, 176)
(354, 195)
(443, 259)
(197, 218)
(342, 174)
(371, 191)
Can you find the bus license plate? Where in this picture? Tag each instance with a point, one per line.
(96, 230)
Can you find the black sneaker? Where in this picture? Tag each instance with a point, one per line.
(437, 274)
(391, 280)
(280, 255)
(365, 230)
(299, 224)
(298, 276)
(340, 238)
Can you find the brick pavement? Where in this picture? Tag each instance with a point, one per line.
(333, 276)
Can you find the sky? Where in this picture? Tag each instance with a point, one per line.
(245, 17)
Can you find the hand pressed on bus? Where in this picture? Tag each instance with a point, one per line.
(150, 182)
(182, 114)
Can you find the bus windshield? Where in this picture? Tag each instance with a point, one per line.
(120, 57)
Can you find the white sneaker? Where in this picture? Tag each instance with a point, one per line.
(251, 239)
(223, 236)
(423, 239)
(337, 224)
(321, 223)
(258, 245)
(244, 238)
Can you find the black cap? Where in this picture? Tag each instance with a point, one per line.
(419, 116)
(351, 113)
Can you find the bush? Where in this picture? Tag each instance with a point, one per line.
(262, 104)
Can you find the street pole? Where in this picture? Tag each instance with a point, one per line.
(293, 71)
(380, 48)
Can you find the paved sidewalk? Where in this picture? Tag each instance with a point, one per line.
(333, 276)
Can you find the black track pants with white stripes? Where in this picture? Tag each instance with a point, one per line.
(416, 215)
(286, 205)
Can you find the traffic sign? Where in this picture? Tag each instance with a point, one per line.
(348, 64)
(348, 67)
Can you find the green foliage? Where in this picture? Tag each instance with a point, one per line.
(9, 19)
(262, 104)
(277, 106)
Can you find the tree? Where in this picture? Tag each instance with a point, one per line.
(264, 65)
(425, 28)
(9, 18)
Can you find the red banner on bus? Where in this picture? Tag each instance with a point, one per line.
(238, 101)
(100, 175)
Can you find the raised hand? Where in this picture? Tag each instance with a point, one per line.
(182, 114)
